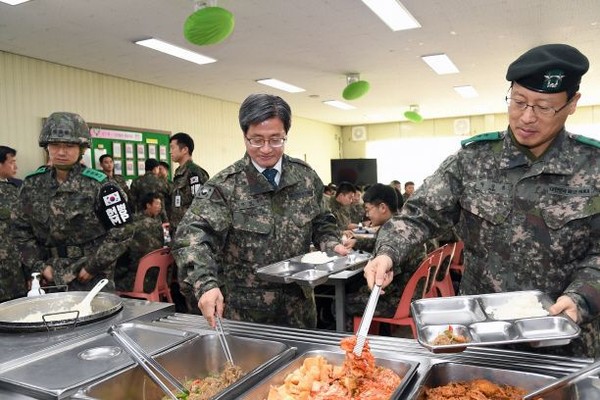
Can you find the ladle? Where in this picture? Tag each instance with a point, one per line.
(85, 307)
(564, 381)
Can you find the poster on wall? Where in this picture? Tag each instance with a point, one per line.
(163, 153)
(141, 151)
(129, 167)
(141, 167)
(97, 154)
(116, 148)
(118, 167)
(152, 151)
(128, 151)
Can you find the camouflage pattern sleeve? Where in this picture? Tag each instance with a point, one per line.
(199, 239)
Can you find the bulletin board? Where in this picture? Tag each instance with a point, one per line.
(129, 148)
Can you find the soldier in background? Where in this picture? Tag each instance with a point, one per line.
(163, 170)
(151, 183)
(108, 167)
(262, 209)
(340, 206)
(524, 201)
(146, 236)
(12, 277)
(188, 179)
(68, 217)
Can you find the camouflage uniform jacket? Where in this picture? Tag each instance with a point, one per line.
(119, 180)
(187, 181)
(526, 224)
(149, 183)
(341, 213)
(146, 236)
(57, 224)
(238, 223)
(12, 278)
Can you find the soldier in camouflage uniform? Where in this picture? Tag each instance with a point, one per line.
(68, 216)
(188, 179)
(151, 183)
(340, 206)
(240, 221)
(12, 278)
(525, 201)
(108, 167)
(147, 236)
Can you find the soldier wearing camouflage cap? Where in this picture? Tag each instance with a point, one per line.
(63, 225)
(525, 201)
(263, 209)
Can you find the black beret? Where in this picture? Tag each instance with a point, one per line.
(550, 68)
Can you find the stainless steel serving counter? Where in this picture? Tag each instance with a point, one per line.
(47, 365)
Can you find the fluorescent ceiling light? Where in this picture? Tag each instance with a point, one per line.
(13, 2)
(466, 91)
(393, 13)
(441, 64)
(339, 104)
(175, 51)
(277, 84)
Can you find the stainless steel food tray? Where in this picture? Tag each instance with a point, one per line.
(404, 368)
(293, 270)
(470, 316)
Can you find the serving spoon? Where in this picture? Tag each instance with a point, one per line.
(564, 381)
(85, 307)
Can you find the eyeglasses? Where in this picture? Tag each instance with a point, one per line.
(260, 142)
(537, 110)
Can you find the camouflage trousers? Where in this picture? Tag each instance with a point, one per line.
(282, 305)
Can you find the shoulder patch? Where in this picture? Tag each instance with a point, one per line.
(205, 192)
(94, 174)
(586, 140)
(484, 137)
(38, 171)
(111, 206)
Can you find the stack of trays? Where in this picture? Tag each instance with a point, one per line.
(293, 270)
(472, 317)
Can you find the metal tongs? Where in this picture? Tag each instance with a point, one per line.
(365, 322)
(152, 368)
(564, 381)
(223, 340)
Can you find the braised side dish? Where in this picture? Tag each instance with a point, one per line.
(479, 389)
(357, 379)
(206, 388)
(448, 337)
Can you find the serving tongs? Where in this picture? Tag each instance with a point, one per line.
(564, 381)
(365, 322)
(223, 340)
(154, 370)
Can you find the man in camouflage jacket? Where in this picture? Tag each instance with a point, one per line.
(525, 201)
(65, 211)
(240, 221)
(188, 179)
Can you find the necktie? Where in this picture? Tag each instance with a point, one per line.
(270, 173)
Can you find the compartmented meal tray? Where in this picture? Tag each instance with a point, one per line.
(491, 319)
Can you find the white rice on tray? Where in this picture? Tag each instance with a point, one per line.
(521, 306)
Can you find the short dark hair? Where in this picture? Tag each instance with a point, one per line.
(105, 156)
(6, 151)
(395, 182)
(148, 198)
(164, 164)
(260, 107)
(345, 187)
(408, 184)
(380, 193)
(183, 140)
(150, 164)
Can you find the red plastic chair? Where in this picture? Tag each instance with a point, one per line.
(450, 258)
(457, 260)
(161, 258)
(425, 274)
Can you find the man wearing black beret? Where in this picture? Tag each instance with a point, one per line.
(525, 201)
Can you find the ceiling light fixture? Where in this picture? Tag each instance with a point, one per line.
(208, 24)
(466, 91)
(281, 85)
(413, 114)
(175, 51)
(355, 88)
(339, 104)
(441, 64)
(393, 13)
(13, 2)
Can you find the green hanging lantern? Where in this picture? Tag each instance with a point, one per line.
(208, 25)
(355, 90)
(413, 114)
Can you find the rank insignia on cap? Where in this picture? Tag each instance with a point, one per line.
(553, 79)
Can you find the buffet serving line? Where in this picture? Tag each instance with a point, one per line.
(81, 360)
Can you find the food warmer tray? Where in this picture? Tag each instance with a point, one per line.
(293, 270)
(404, 368)
(471, 317)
